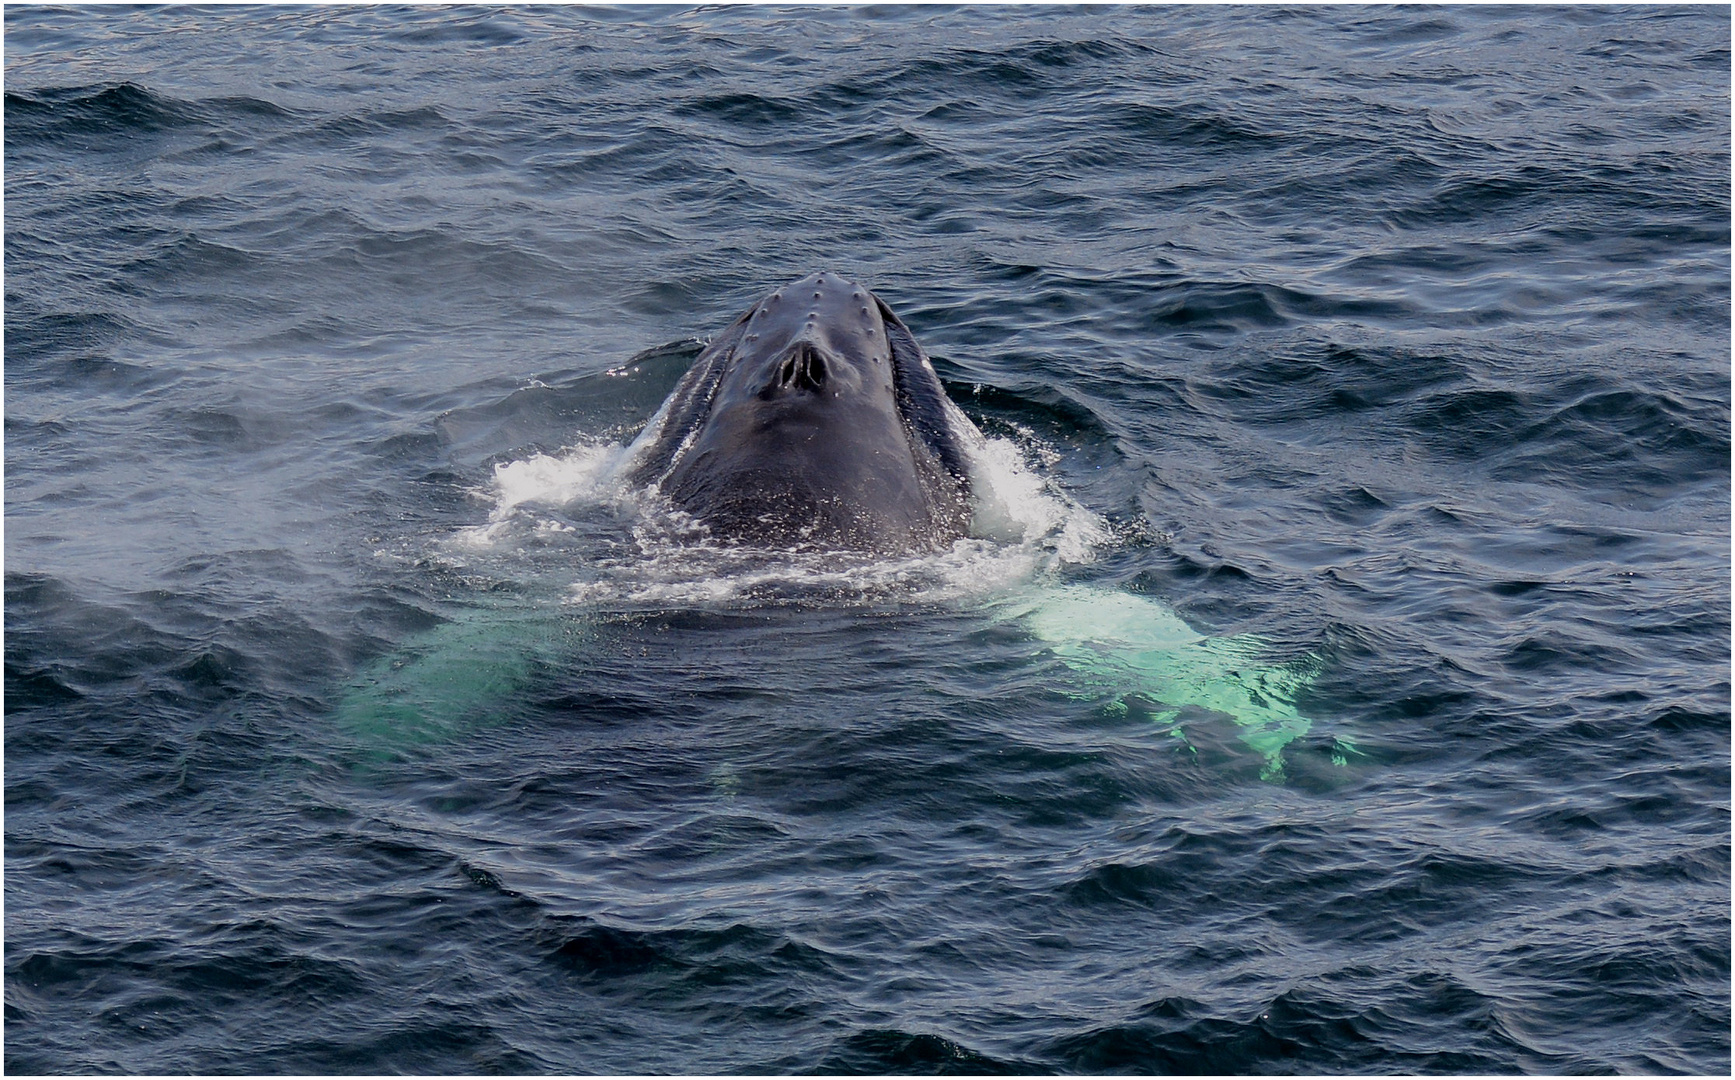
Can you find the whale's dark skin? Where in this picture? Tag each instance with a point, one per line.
(815, 419)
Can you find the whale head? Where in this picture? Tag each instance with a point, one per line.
(815, 419)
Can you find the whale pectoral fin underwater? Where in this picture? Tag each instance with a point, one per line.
(1120, 644)
(450, 681)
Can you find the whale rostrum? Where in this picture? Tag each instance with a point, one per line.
(815, 419)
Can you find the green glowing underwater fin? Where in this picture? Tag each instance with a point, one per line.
(455, 678)
(1120, 643)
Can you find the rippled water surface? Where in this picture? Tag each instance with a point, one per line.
(356, 723)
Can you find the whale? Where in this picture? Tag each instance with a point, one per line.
(813, 423)
(814, 420)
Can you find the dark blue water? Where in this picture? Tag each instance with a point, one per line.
(1395, 340)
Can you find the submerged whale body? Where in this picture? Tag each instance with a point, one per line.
(815, 419)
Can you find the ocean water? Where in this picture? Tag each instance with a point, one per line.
(358, 720)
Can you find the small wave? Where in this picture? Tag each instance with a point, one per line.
(192, 256)
(1082, 53)
(1301, 1030)
(51, 333)
(992, 74)
(474, 30)
(882, 1050)
(591, 948)
(1185, 126)
(124, 109)
(93, 110)
(744, 109)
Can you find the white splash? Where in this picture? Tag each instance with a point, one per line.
(586, 474)
(1016, 504)
(1023, 526)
